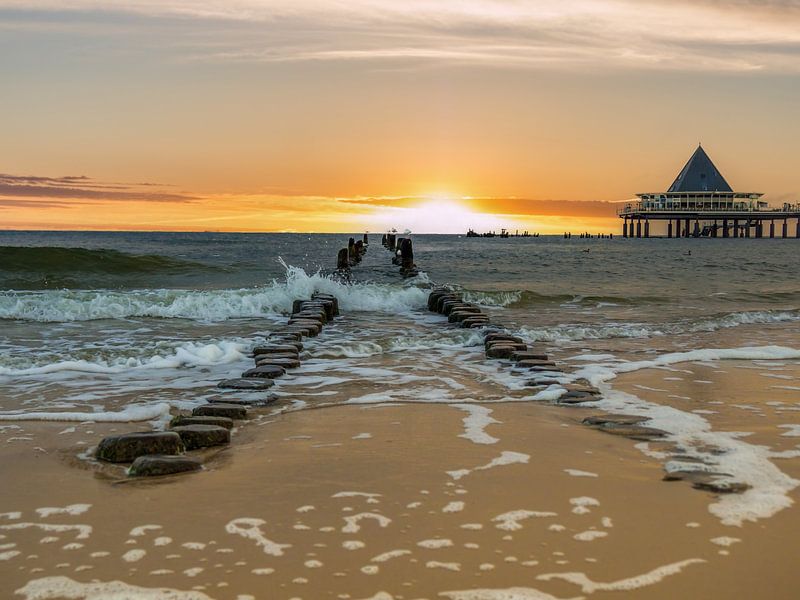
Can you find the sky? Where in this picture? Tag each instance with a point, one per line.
(351, 115)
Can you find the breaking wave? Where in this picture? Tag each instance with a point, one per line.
(276, 298)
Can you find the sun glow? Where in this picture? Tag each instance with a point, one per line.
(437, 214)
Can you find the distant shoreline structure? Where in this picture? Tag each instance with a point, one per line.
(701, 203)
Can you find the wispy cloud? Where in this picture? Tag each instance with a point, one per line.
(41, 191)
(731, 35)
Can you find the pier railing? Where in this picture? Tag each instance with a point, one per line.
(707, 206)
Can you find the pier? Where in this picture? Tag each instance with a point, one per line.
(701, 203)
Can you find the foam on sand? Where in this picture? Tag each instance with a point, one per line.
(510, 521)
(84, 531)
(371, 498)
(435, 544)
(589, 536)
(515, 593)
(72, 509)
(453, 507)
(746, 463)
(631, 583)
(447, 566)
(249, 528)
(52, 588)
(505, 458)
(390, 555)
(352, 522)
(579, 473)
(475, 423)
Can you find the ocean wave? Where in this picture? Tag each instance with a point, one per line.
(41, 267)
(206, 305)
(527, 299)
(577, 332)
(184, 355)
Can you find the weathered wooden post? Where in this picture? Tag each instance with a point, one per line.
(343, 260)
(351, 250)
(383, 241)
(359, 250)
(366, 240)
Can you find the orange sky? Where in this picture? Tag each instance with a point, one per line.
(262, 115)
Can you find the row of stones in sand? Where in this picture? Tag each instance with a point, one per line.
(502, 345)
(155, 453)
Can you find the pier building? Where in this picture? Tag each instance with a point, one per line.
(701, 203)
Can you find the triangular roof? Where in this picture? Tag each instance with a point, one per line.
(700, 175)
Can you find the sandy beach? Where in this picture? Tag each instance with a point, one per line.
(405, 501)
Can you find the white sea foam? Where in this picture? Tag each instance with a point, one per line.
(631, 583)
(134, 555)
(579, 473)
(589, 535)
(577, 332)
(206, 305)
(505, 458)
(352, 522)
(793, 430)
(725, 540)
(83, 531)
(188, 354)
(510, 521)
(453, 507)
(250, 528)
(435, 543)
(475, 423)
(390, 555)
(448, 566)
(370, 498)
(50, 588)
(746, 463)
(132, 413)
(72, 509)
(515, 593)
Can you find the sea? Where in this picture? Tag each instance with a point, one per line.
(104, 327)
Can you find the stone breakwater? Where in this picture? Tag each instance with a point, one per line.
(179, 449)
(551, 383)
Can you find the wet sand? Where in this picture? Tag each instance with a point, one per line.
(307, 505)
